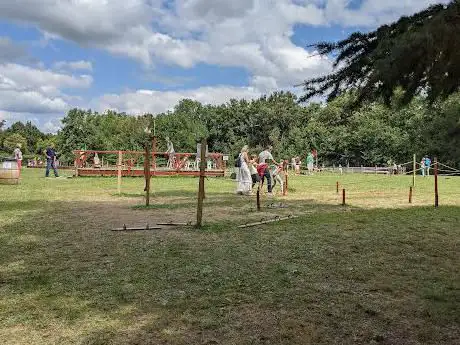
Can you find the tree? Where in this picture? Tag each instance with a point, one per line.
(2, 124)
(29, 131)
(12, 140)
(420, 53)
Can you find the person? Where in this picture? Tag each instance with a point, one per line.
(422, 166)
(97, 161)
(427, 165)
(298, 163)
(277, 176)
(51, 160)
(263, 169)
(294, 163)
(253, 170)
(310, 161)
(340, 169)
(170, 152)
(18, 156)
(244, 175)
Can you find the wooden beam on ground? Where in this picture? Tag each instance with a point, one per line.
(138, 228)
(175, 224)
(277, 219)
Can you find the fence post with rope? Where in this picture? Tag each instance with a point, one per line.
(436, 193)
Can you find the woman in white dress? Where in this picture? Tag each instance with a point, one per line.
(244, 175)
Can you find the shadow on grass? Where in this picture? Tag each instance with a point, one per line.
(165, 194)
(358, 276)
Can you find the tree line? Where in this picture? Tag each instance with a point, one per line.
(373, 134)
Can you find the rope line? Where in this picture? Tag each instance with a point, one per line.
(446, 166)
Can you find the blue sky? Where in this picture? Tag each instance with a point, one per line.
(143, 56)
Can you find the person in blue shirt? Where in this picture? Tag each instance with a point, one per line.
(51, 160)
(427, 165)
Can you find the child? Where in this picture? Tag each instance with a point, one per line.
(277, 176)
(253, 170)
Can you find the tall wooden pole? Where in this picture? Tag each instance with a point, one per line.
(414, 168)
(147, 175)
(154, 150)
(199, 213)
(285, 189)
(258, 198)
(436, 195)
(120, 162)
(343, 197)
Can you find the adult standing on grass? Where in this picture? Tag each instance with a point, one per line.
(244, 175)
(51, 160)
(263, 168)
(310, 161)
(170, 152)
(18, 156)
(422, 166)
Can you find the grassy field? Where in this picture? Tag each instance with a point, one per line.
(378, 271)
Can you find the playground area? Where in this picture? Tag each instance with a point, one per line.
(131, 163)
(379, 270)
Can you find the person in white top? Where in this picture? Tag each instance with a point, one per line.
(171, 153)
(244, 175)
(263, 166)
(18, 156)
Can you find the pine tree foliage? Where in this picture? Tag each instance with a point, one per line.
(420, 54)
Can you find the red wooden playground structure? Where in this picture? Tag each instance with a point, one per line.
(108, 163)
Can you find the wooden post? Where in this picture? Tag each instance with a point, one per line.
(410, 195)
(285, 184)
(337, 186)
(343, 197)
(154, 150)
(258, 198)
(414, 168)
(120, 162)
(436, 194)
(75, 163)
(199, 213)
(147, 175)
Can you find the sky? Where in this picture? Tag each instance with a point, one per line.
(144, 56)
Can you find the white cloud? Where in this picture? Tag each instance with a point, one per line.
(24, 89)
(74, 65)
(254, 34)
(151, 101)
(53, 125)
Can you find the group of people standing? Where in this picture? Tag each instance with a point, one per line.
(51, 158)
(255, 169)
(296, 163)
(425, 165)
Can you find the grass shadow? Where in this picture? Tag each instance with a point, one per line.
(331, 277)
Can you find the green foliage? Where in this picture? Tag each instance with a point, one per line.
(372, 134)
(29, 131)
(420, 53)
(10, 142)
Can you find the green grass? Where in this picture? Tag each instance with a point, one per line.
(378, 271)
